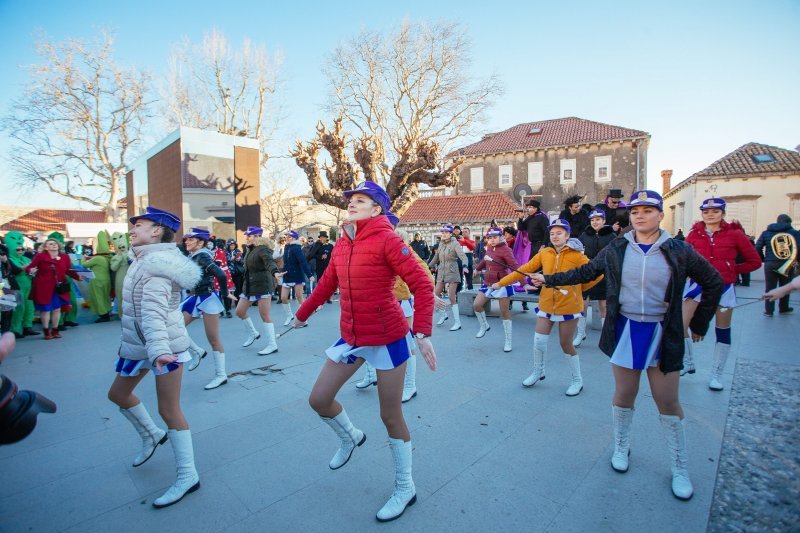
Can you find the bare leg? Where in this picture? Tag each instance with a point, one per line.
(689, 307)
(243, 305)
(603, 308)
(211, 324)
(284, 295)
(543, 325)
(566, 332)
(264, 306)
(505, 308)
(299, 294)
(55, 316)
(665, 391)
(168, 389)
(187, 318)
(723, 319)
(44, 318)
(451, 293)
(390, 393)
(626, 387)
(331, 378)
(439, 289)
(480, 302)
(121, 391)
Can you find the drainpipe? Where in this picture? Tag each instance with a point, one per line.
(637, 166)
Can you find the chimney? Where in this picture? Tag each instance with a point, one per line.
(666, 181)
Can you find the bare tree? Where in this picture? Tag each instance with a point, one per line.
(76, 125)
(407, 96)
(212, 86)
(278, 209)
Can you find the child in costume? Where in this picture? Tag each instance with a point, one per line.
(119, 265)
(497, 262)
(22, 318)
(100, 284)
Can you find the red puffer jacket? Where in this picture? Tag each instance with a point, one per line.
(364, 268)
(721, 251)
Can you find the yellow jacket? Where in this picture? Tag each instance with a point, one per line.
(552, 300)
(401, 291)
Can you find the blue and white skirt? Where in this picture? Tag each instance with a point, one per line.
(254, 298)
(381, 357)
(558, 318)
(133, 367)
(291, 284)
(638, 343)
(408, 307)
(502, 292)
(694, 291)
(205, 303)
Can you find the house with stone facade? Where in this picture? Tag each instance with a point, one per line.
(555, 159)
(757, 181)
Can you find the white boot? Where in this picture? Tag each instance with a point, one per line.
(151, 434)
(507, 332)
(442, 317)
(349, 435)
(456, 318)
(688, 357)
(188, 480)
(272, 346)
(220, 375)
(405, 494)
(576, 386)
(539, 349)
(675, 434)
(623, 416)
(410, 382)
(369, 377)
(253, 334)
(287, 308)
(484, 324)
(721, 351)
(198, 354)
(580, 333)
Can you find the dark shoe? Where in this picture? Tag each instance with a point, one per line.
(524, 306)
(54, 333)
(18, 335)
(62, 327)
(27, 332)
(71, 324)
(228, 314)
(768, 315)
(103, 318)
(786, 311)
(47, 335)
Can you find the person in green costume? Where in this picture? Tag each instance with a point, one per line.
(22, 318)
(68, 318)
(100, 284)
(119, 265)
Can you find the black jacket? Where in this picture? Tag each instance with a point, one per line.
(577, 222)
(763, 245)
(316, 253)
(536, 228)
(259, 271)
(210, 270)
(594, 241)
(616, 214)
(684, 262)
(421, 249)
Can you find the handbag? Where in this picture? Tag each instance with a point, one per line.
(62, 287)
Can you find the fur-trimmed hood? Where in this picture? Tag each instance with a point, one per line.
(166, 261)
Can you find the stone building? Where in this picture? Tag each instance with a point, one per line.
(555, 159)
(757, 181)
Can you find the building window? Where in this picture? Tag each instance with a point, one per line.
(763, 158)
(744, 212)
(535, 173)
(476, 179)
(602, 168)
(506, 177)
(567, 171)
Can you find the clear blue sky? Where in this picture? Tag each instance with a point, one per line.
(701, 77)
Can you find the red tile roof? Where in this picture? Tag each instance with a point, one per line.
(568, 131)
(462, 208)
(49, 220)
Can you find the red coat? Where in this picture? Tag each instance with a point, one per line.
(50, 271)
(222, 260)
(494, 272)
(364, 269)
(721, 251)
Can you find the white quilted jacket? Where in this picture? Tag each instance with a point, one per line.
(152, 323)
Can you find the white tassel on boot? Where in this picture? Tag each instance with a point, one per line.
(272, 345)
(198, 354)
(369, 377)
(623, 417)
(675, 434)
(483, 323)
(507, 333)
(253, 334)
(456, 318)
(349, 435)
(405, 494)
(287, 308)
(539, 349)
(576, 385)
(721, 351)
(410, 381)
(580, 334)
(151, 434)
(188, 481)
(220, 375)
(688, 357)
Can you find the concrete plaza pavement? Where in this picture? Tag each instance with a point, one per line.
(489, 455)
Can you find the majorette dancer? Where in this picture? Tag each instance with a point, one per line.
(645, 272)
(154, 338)
(221, 258)
(205, 302)
(720, 242)
(258, 285)
(562, 304)
(594, 238)
(498, 262)
(364, 263)
(446, 258)
(403, 295)
(295, 270)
